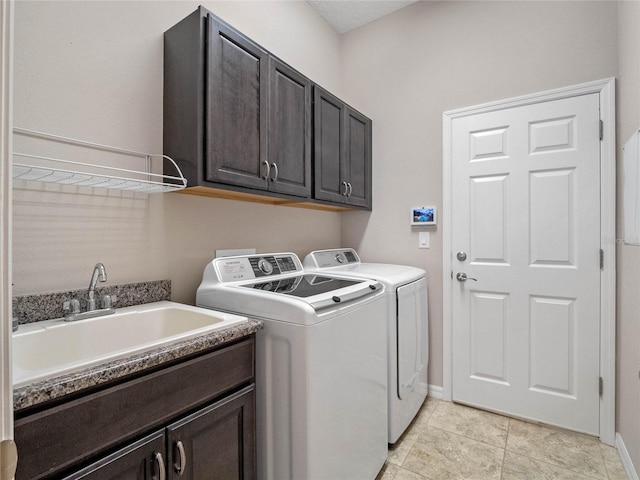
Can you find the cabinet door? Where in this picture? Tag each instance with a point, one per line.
(138, 461)
(356, 169)
(328, 146)
(215, 442)
(236, 108)
(289, 130)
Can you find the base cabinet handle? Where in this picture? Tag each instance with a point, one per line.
(162, 475)
(181, 462)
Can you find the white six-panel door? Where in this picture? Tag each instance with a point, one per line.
(526, 220)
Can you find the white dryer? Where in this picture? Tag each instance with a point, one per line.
(408, 337)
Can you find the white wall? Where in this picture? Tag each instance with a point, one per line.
(406, 69)
(93, 70)
(628, 281)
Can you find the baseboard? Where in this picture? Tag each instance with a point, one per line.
(626, 459)
(436, 392)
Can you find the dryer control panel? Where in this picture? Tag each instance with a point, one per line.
(333, 258)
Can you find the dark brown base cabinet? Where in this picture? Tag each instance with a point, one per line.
(215, 442)
(194, 420)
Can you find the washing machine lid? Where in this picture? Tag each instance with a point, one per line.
(255, 285)
(303, 285)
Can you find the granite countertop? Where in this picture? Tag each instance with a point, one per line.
(56, 387)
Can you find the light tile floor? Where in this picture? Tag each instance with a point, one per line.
(453, 442)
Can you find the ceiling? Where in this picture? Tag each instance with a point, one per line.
(345, 15)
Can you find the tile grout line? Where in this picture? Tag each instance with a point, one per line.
(604, 461)
(467, 438)
(414, 423)
(426, 423)
(504, 453)
(547, 462)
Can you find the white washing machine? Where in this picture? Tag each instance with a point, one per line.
(408, 334)
(321, 365)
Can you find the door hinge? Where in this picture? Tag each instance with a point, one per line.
(600, 386)
(601, 129)
(601, 259)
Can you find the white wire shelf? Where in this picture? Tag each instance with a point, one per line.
(62, 171)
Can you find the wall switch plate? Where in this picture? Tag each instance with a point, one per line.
(423, 239)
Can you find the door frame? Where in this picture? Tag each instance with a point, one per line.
(6, 134)
(606, 89)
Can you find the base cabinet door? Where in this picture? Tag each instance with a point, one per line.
(142, 460)
(215, 442)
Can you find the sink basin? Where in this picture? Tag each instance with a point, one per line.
(46, 349)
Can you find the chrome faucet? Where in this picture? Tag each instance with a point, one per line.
(72, 307)
(99, 273)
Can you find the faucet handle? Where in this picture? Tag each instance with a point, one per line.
(71, 306)
(108, 301)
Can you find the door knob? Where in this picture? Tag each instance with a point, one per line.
(462, 277)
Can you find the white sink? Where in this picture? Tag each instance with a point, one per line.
(46, 349)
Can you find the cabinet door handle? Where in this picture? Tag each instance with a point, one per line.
(266, 175)
(275, 175)
(350, 191)
(345, 189)
(179, 467)
(160, 464)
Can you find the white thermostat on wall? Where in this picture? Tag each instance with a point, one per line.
(423, 216)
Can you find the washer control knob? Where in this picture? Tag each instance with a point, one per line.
(340, 258)
(265, 266)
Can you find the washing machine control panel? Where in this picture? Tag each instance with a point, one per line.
(264, 266)
(231, 269)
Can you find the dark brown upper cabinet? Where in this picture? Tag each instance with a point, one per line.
(236, 97)
(342, 149)
(289, 130)
(235, 117)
